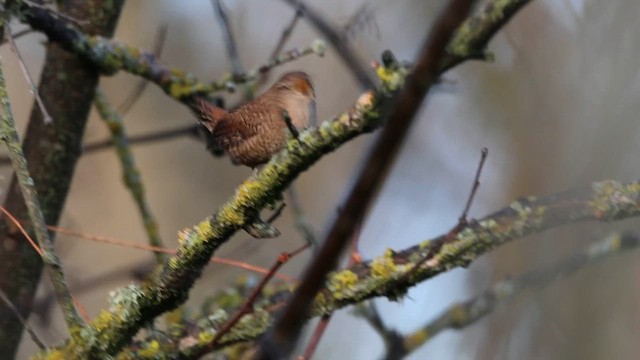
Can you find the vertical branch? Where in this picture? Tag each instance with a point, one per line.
(131, 173)
(229, 39)
(66, 86)
(9, 135)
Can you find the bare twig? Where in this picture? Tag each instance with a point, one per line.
(9, 136)
(247, 307)
(32, 85)
(286, 34)
(132, 98)
(284, 37)
(365, 15)
(53, 12)
(129, 169)
(299, 218)
(463, 222)
(19, 34)
(280, 341)
(343, 49)
(391, 338)
(463, 314)
(229, 39)
(161, 135)
(315, 338)
(134, 245)
(474, 188)
(16, 312)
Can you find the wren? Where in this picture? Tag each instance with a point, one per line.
(251, 133)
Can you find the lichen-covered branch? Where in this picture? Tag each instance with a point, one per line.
(130, 171)
(463, 314)
(385, 275)
(168, 286)
(9, 135)
(66, 86)
(112, 56)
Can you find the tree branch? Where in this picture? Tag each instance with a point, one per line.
(461, 315)
(384, 276)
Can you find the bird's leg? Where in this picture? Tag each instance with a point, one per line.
(260, 229)
(292, 128)
(255, 172)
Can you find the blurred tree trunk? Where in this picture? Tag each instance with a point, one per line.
(67, 88)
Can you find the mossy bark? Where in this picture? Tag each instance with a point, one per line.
(67, 86)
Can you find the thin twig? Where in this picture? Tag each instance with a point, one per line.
(299, 218)
(365, 15)
(129, 169)
(463, 222)
(161, 135)
(19, 34)
(134, 245)
(46, 117)
(463, 314)
(315, 338)
(393, 341)
(281, 340)
(343, 49)
(229, 39)
(22, 320)
(247, 307)
(474, 188)
(9, 136)
(134, 96)
(53, 12)
(22, 230)
(286, 34)
(284, 37)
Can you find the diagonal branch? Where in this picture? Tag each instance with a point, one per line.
(461, 315)
(9, 135)
(130, 171)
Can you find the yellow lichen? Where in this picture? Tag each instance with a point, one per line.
(383, 267)
(205, 337)
(150, 350)
(412, 341)
(342, 283)
(204, 230)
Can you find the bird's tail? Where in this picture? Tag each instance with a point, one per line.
(208, 113)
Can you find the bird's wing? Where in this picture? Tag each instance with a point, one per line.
(244, 123)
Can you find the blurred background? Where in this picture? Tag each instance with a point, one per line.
(557, 109)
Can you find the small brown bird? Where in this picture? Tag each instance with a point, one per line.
(253, 132)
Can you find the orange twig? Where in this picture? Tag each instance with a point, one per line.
(133, 245)
(22, 230)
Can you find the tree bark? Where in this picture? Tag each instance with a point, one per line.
(67, 87)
